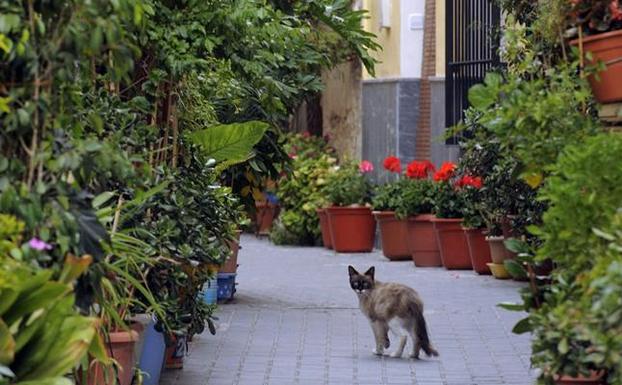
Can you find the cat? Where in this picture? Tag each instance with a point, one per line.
(394, 307)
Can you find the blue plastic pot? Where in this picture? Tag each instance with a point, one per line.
(226, 286)
(210, 291)
(152, 357)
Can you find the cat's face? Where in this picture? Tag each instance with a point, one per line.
(361, 283)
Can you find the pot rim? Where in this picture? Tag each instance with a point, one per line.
(598, 36)
(347, 208)
(123, 336)
(495, 238)
(447, 220)
(383, 213)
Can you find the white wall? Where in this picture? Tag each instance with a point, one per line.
(411, 41)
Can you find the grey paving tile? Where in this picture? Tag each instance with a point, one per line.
(295, 321)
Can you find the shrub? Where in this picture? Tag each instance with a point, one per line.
(347, 185)
(300, 191)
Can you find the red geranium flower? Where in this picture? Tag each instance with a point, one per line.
(392, 164)
(468, 180)
(366, 166)
(446, 172)
(419, 169)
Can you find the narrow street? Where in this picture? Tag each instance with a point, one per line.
(295, 320)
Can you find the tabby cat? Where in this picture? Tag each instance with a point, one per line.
(395, 307)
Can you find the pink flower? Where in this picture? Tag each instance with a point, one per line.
(37, 244)
(366, 166)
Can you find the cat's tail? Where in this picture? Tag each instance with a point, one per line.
(422, 335)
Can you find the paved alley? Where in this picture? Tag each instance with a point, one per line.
(295, 320)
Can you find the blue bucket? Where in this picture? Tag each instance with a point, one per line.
(152, 357)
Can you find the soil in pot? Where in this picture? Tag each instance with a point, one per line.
(353, 229)
(452, 243)
(120, 346)
(394, 235)
(605, 47)
(479, 251)
(422, 241)
(231, 264)
(325, 228)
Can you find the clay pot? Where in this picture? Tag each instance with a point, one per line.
(231, 264)
(325, 228)
(394, 235)
(452, 243)
(596, 378)
(605, 47)
(479, 251)
(498, 252)
(119, 346)
(422, 241)
(353, 229)
(266, 213)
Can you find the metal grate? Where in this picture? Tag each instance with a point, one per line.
(472, 42)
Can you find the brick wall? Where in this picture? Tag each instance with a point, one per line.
(428, 70)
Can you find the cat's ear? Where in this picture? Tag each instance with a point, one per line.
(352, 271)
(370, 272)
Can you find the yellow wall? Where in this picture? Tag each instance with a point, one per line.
(440, 37)
(388, 38)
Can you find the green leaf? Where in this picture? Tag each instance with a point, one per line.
(515, 269)
(47, 381)
(7, 344)
(522, 326)
(516, 245)
(562, 346)
(102, 198)
(481, 97)
(229, 142)
(511, 306)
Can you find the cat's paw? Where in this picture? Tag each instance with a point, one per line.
(396, 355)
(414, 356)
(378, 352)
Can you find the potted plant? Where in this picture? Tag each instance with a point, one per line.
(393, 230)
(350, 219)
(303, 220)
(447, 222)
(473, 224)
(598, 24)
(416, 205)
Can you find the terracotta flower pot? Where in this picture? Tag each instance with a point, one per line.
(596, 378)
(479, 251)
(353, 229)
(266, 213)
(119, 346)
(175, 352)
(452, 243)
(606, 47)
(325, 228)
(394, 235)
(422, 241)
(231, 264)
(498, 252)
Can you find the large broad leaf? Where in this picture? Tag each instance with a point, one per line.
(230, 142)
